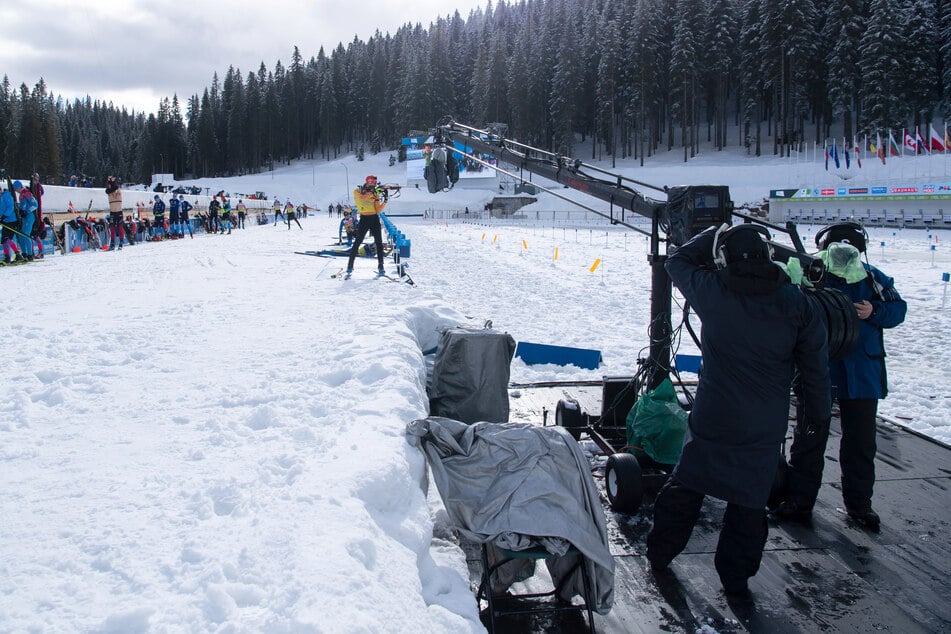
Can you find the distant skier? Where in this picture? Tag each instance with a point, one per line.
(291, 214)
(174, 217)
(213, 208)
(158, 218)
(185, 223)
(116, 228)
(277, 211)
(226, 216)
(348, 227)
(242, 210)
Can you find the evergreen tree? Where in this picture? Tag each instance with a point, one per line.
(843, 30)
(881, 66)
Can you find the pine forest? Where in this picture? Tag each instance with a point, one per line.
(596, 79)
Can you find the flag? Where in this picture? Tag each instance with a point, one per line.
(826, 148)
(920, 142)
(858, 154)
(845, 149)
(835, 155)
(947, 142)
(893, 148)
(936, 141)
(881, 148)
(910, 144)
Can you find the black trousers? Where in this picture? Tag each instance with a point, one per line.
(857, 451)
(371, 224)
(856, 456)
(742, 537)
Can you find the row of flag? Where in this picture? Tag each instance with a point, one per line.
(883, 147)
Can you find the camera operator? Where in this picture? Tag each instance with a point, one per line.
(858, 382)
(756, 327)
(367, 198)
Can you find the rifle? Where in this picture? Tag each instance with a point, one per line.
(385, 192)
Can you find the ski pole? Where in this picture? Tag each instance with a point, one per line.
(15, 231)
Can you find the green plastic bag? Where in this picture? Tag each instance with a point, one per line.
(656, 425)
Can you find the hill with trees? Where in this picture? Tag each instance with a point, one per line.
(580, 77)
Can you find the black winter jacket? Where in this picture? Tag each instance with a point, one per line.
(757, 327)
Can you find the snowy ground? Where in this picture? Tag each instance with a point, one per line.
(207, 435)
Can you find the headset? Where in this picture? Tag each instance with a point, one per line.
(849, 232)
(726, 233)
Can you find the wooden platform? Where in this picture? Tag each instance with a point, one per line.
(830, 577)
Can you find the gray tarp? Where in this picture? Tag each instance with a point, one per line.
(471, 375)
(519, 486)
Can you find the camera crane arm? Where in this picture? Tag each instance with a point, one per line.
(555, 167)
(687, 211)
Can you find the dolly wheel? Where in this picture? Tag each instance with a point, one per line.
(622, 479)
(568, 415)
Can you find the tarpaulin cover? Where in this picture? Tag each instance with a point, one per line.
(657, 423)
(521, 486)
(471, 375)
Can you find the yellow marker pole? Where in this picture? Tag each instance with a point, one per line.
(524, 245)
(483, 236)
(556, 254)
(495, 239)
(594, 267)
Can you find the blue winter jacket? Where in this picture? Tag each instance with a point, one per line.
(861, 374)
(7, 213)
(28, 204)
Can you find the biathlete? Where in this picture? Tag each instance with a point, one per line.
(369, 207)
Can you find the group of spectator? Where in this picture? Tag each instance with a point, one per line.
(22, 226)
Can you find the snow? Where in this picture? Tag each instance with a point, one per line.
(208, 434)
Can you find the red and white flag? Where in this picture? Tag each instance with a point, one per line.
(937, 143)
(910, 144)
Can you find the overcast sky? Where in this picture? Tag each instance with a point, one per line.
(135, 52)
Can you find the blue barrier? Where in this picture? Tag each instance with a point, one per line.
(687, 362)
(535, 353)
(400, 242)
